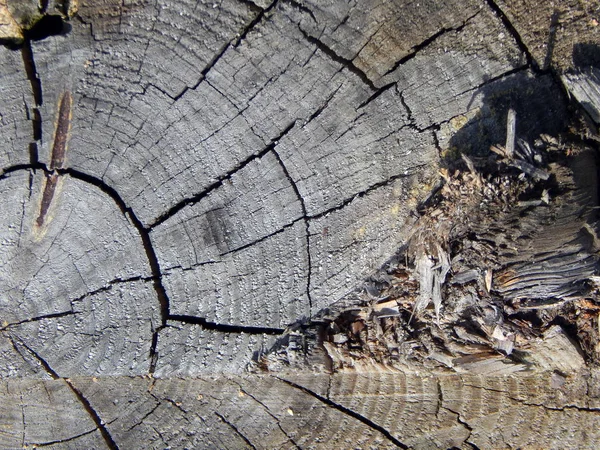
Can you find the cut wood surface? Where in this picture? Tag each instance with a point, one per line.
(247, 224)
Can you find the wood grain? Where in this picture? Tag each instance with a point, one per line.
(208, 211)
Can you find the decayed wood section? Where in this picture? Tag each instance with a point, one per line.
(299, 224)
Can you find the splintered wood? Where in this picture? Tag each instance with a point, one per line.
(508, 259)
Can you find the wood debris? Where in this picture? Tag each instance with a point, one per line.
(500, 275)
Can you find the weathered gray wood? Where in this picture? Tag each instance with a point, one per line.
(74, 289)
(585, 87)
(352, 409)
(28, 406)
(193, 190)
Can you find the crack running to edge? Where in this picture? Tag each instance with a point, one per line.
(268, 411)
(514, 33)
(459, 419)
(346, 411)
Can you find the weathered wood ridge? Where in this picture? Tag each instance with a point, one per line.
(223, 223)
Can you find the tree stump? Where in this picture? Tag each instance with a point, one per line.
(247, 224)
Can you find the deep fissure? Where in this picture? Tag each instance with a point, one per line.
(225, 328)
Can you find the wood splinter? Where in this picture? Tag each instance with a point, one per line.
(59, 148)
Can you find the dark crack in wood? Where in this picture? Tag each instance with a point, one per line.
(270, 413)
(366, 191)
(108, 439)
(514, 33)
(427, 42)
(38, 318)
(160, 290)
(61, 441)
(302, 8)
(59, 148)
(232, 44)
(235, 430)
(225, 328)
(84, 401)
(304, 217)
(61, 135)
(347, 411)
(200, 195)
(47, 196)
(348, 63)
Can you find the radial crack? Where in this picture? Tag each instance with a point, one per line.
(268, 411)
(231, 44)
(514, 33)
(348, 63)
(264, 238)
(347, 411)
(234, 428)
(306, 225)
(225, 328)
(364, 192)
(200, 195)
(38, 318)
(148, 414)
(94, 415)
(379, 91)
(427, 42)
(59, 148)
(459, 419)
(84, 401)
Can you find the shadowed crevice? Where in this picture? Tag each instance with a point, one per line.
(47, 26)
(380, 91)
(225, 328)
